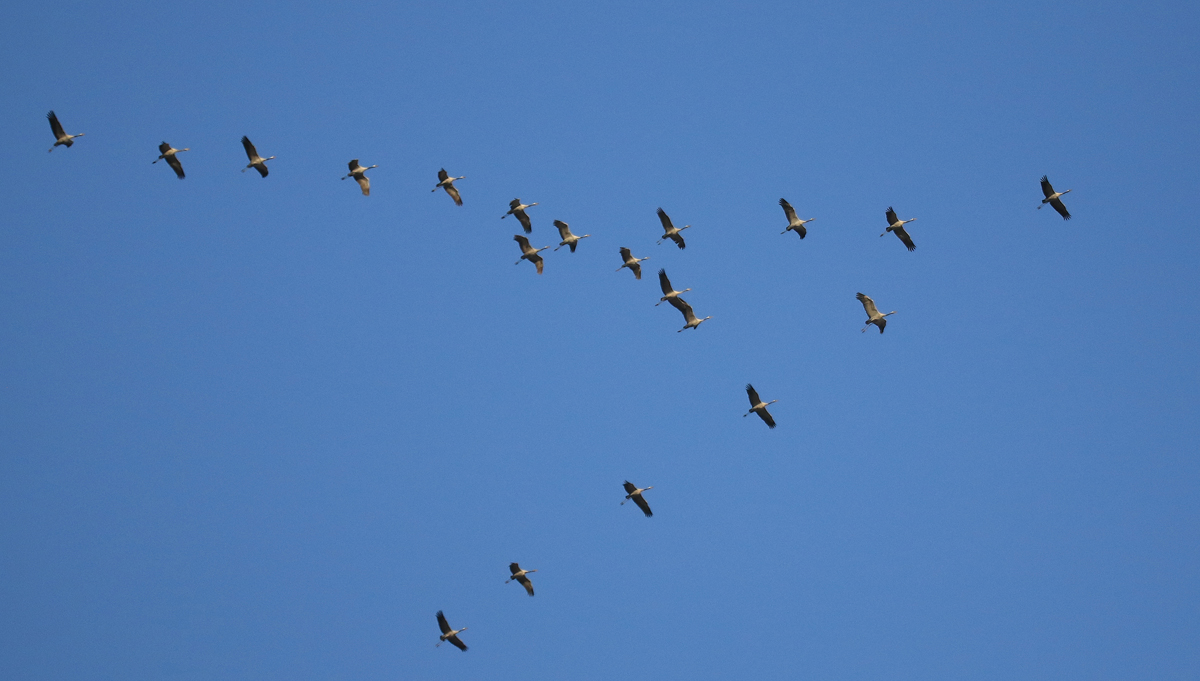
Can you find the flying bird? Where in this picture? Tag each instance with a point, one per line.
(257, 162)
(757, 406)
(449, 634)
(167, 153)
(634, 493)
(1052, 197)
(669, 231)
(529, 252)
(517, 209)
(669, 291)
(688, 316)
(446, 182)
(631, 262)
(794, 223)
(519, 575)
(359, 174)
(568, 239)
(60, 137)
(873, 316)
(896, 225)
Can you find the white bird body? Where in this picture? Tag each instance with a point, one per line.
(167, 153)
(631, 262)
(873, 315)
(568, 239)
(359, 174)
(446, 182)
(257, 162)
(61, 138)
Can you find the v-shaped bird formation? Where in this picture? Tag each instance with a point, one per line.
(519, 210)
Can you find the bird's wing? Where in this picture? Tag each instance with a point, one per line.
(882, 323)
(364, 182)
(637, 499)
(666, 221)
(900, 232)
(868, 304)
(539, 261)
(55, 126)
(637, 271)
(354, 165)
(514, 203)
(523, 241)
(453, 192)
(524, 581)
(524, 221)
(173, 161)
(457, 643)
(766, 417)
(626, 254)
(443, 624)
(514, 568)
(891, 216)
(564, 230)
(251, 152)
(1047, 189)
(442, 175)
(753, 395)
(665, 283)
(164, 148)
(678, 239)
(630, 488)
(788, 210)
(261, 168)
(682, 305)
(573, 245)
(1062, 210)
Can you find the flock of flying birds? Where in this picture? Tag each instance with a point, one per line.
(518, 210)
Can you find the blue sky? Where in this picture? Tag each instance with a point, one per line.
(265, 428)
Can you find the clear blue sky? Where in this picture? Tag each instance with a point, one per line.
(263, 429)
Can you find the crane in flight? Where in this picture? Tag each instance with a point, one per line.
(517, 210)
(631, 262)
(520, 575)
(61, 138)
(794, 223)
(669, 231)
(688, 315)
(529, 252)
(446, 182)
(568, 239)
(449, 634)
(1054, 198)
(167, 153)
(669, 291)
(896, 225)
(257, 162)
(634, 493)
(359, 174)
(757, 406)
(873, 316)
